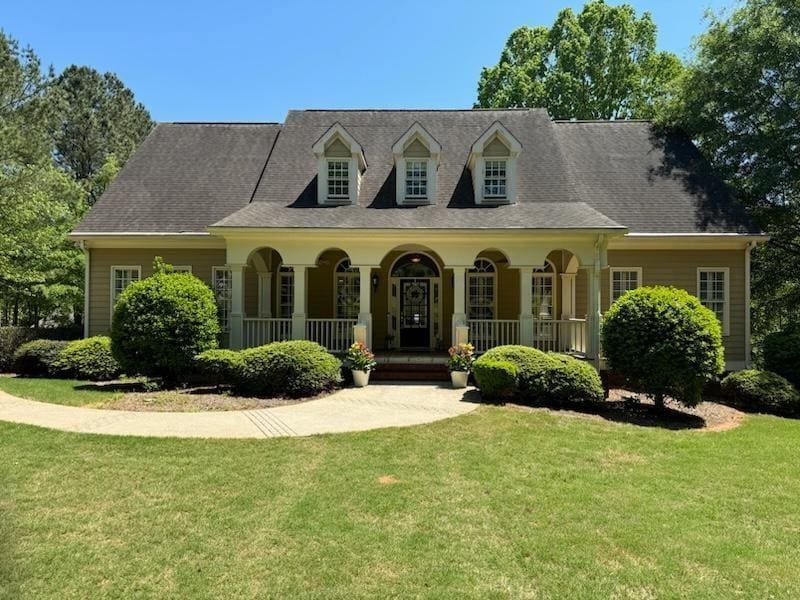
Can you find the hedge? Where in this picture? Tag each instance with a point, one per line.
(295, 369)
(664, 342)
(218, 366)
(88, 359)
(762, 390)
(12, 338)
(496, 379)
(542, 377)
(782, 353)
(38, 358)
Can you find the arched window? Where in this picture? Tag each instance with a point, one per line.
(347, 287)
(415, 265)
(543, 292)
(482, 290)
(285, 292)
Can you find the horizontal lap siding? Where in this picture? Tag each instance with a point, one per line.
(678, 268)
(102, 259)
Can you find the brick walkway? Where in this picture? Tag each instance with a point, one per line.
(351, 409)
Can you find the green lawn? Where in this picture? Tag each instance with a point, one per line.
(499, 503)
(58, 391)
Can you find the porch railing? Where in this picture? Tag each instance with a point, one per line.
(334, 334)
(568, 335)
(258, 332)
(488, 333)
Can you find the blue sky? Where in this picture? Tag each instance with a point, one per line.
(253, 60)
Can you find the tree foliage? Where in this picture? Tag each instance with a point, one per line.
(601, 63)
(740, 100)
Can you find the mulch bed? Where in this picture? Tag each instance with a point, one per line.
(623, 406)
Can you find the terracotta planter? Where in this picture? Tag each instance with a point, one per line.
(459, 379)
(360, 378)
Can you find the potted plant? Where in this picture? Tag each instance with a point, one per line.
(360, 361)
(460, 364)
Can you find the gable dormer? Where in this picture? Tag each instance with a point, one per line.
(493, 163)
(341, 162)
(416, 160)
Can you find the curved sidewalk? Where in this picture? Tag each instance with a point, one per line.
(352, 409)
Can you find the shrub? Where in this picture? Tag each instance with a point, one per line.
(218, 365)
(664, 343)
(161, 323)
(12, 338)
(295, 369)
(497, 379)
(782, 354)
(544, 377)
(38, 358)
(762, 390)
(89, 359)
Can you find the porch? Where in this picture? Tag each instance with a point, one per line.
(415, 297)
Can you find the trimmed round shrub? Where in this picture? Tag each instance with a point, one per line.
(544, 377)
(161, 323)
(664, 342)
(12, 338)
(38, 358)
(762, 390)
(218, 365)
(497, 379)
(296, 369)
(781, 352)
(89, 359)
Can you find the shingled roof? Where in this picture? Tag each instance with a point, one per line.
(587, 175)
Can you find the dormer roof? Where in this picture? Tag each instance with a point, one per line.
(335, 131)
(416, 131)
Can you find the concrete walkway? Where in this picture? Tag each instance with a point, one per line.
(351, 409)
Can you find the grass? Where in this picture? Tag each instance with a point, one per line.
(499, 503)
(69, 392)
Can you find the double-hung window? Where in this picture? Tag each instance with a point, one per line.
(713, 290)
(481, 288)
(338, 179)
(285, 292)
(122, 277)
(348, 290)
(495, 179)
(222, 284)
(624, 279)
(416, 179)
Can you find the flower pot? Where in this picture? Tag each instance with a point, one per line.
(360, 378)
(459, 378)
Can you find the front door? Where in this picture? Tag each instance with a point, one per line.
(415, 326)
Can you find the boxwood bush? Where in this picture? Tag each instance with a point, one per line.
(38, 358)
(497, 379)
(12, 338)
(295, 369)
(664, 342)
(762, 390)
(544, 377)
(218, 366)
(781, 351)
(161, 323)
(88, 359)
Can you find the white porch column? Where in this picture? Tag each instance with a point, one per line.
(459, 301)
(526, 306)
(236, 316)
(748, 353)
(265, 295)
(567, 296)
(365, 300)
(299, 310)
(594, 317)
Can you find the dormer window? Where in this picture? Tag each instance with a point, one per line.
(341, 163)
(493, 162)
(416, 156)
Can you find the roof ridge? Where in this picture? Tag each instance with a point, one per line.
(602, 121)
(416, 109)
(219, 123)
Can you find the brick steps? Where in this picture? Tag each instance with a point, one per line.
(410, 372)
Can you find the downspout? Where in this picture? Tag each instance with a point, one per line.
(748, 358)
(86, 267)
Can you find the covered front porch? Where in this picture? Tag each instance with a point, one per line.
(397, 294)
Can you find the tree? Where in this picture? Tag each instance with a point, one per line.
(599, 64)
(98, 118)
(664, 342)
(740, 101)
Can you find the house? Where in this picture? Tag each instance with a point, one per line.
(412, 229)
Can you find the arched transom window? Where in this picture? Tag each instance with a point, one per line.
(347, 288)
(543, 292)
(482, 290)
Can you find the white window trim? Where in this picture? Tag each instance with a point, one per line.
(485, 275)
(612, 270)
(416, 132)
(357, 163)
(281, 275)
(477, 164)
(182, 268)
(726, 321)
(137, 268)
(225, 327)
(356, 275)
